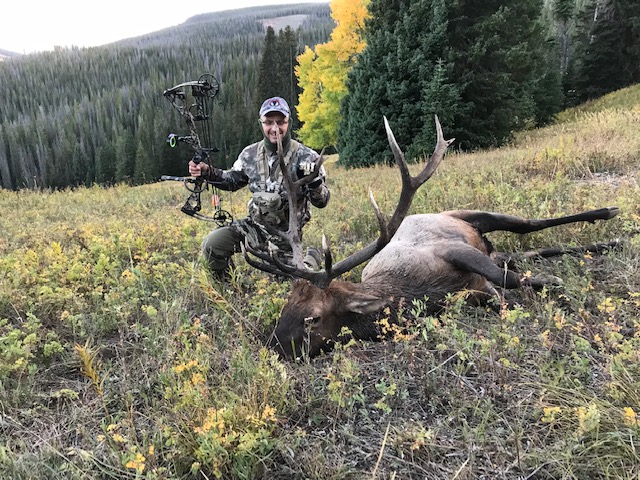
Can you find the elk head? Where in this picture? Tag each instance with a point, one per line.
(318, 308)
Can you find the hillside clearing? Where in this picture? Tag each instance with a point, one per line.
(119, 358)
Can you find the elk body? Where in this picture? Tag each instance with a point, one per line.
(416, 257)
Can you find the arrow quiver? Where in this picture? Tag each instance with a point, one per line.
(194, 101)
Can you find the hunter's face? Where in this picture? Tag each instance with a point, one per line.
(272, 123)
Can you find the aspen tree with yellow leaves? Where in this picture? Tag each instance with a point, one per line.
(322, 73)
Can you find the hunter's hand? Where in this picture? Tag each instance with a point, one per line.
(198, 169)
(305, 168)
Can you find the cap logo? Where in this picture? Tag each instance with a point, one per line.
(274, 104)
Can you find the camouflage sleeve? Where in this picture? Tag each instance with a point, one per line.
(319, 196)
(233, 179)
(318, 192)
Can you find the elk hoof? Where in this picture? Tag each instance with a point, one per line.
(540, 281)
(613, 211)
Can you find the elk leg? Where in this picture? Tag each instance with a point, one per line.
(469, 259)
(489, 221)
(508, 260)
(554, 252)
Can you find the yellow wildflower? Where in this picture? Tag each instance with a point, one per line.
(214, 420)
(630, 417)
(137, 463)
(127, 275)
(549, 414)
(269, 414)
(185, 366)
(588, 418)
(607, 306)
(197, 378)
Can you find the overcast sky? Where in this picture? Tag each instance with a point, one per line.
(38, 25)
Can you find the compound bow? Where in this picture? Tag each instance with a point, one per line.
(196, 109)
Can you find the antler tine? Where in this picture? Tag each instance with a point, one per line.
(409, 187)
(332, 271)
(398, 155)
(436, 157)
(411, 184)
(382, 224)
(328, 257)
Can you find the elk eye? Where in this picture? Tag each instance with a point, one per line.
(311, 321)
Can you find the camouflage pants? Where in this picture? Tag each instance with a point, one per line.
(219, 246)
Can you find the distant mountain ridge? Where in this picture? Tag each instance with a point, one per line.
(275, 16)
(7, 54)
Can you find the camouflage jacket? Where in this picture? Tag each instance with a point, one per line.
(258, 168)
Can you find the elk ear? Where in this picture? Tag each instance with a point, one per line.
(364, 303)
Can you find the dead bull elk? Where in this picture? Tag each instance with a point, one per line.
(415, 257)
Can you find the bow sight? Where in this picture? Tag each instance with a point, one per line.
(194, 101)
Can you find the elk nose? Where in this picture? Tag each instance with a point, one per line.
(275, 345)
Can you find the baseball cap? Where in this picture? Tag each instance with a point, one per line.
(275, 104)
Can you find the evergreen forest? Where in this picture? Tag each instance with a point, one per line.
(488, 69)
(83, 116)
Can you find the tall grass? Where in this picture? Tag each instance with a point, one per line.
(120, 358)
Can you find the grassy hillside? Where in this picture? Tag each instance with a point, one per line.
(120, 359)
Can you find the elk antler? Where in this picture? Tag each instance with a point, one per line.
(272, 264)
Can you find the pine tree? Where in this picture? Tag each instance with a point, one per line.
(125, 156)
(106, 164)
(361, 138)
(563, 13)
(499, 61)
(478, 65)
(608, 51)
(287, 56)
(269, 82)
(630, 12)
(5, 173)
(276, 77)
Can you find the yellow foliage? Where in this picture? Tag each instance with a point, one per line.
(322, 74)
(90, 365)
